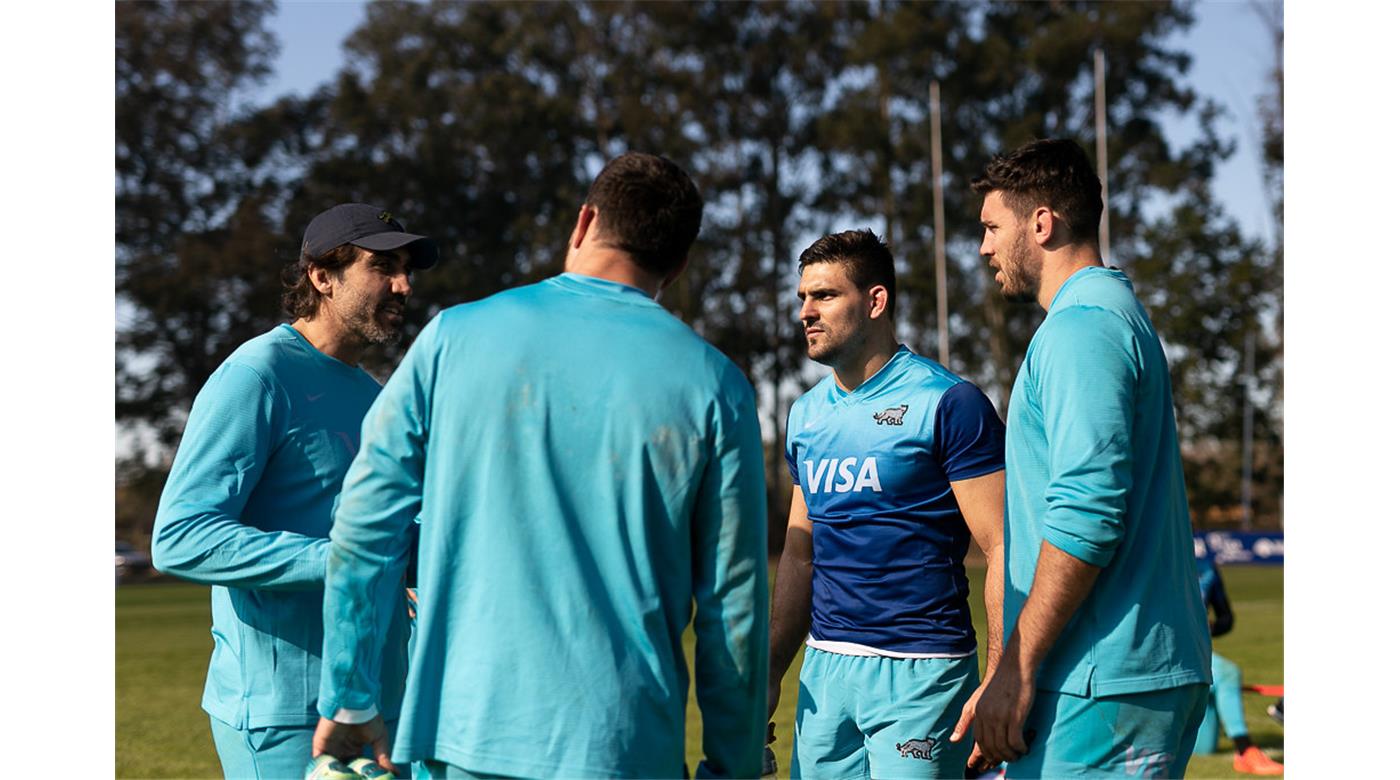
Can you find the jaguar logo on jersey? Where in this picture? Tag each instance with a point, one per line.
(839, 475)
(892, 416)
(917, 748)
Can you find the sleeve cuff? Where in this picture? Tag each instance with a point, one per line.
(355, 717)
(1092, 554)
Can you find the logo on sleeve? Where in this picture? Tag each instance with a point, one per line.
(917, 748)
(892, 416)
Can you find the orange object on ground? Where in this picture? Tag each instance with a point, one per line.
(1254, 762)
(1266, 690)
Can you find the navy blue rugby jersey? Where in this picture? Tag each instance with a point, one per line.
(888, 539)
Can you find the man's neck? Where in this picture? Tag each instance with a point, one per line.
(612, 265)
(327, 337)
(853, 374)
(1060, 265)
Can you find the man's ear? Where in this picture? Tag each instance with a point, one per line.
(879, 300)
(1043, 222)
(320, 279)
(587, 216)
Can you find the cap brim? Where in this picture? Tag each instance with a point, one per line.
(422, 252)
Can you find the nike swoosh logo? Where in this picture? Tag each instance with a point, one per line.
(315, 397)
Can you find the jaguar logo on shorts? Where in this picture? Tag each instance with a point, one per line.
(892, 416)
(1144, 763)
(917, 748)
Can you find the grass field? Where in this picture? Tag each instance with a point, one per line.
(163, 647)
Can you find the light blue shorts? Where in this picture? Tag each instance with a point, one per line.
(861, 716)
(1224, 708)
(272, 753)
(1134, 735)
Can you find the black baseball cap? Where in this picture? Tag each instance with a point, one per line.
(367, 227)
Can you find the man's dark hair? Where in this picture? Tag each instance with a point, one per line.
(300, 299)
(865, 257)
(647, 207)
(1054, 173)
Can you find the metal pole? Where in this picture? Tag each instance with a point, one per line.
(940, 260)
(1101, 146)
(1247, 457)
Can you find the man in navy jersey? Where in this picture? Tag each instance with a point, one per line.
(897, 464)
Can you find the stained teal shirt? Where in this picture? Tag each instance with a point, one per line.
(247, 509)
(584, 468)
(1093, 467)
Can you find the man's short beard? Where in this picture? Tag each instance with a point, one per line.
(372, 331)
(362, 321)
(836, 354)
(831, 356)
(1021, 272)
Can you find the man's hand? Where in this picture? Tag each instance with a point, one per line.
(346, 741)
(1001, 712)
(775, 690)
(977, 763)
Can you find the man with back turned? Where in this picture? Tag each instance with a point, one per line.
(584, 466)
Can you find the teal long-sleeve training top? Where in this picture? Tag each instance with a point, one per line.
(247, 509)
(1093, 468)
(585, 468)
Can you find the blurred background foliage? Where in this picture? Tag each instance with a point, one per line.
(482, 124)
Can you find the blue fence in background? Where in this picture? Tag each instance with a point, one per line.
(1264, 549)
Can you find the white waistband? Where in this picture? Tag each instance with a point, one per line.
(851, 648)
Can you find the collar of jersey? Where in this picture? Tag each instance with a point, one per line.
(1085, 273)
(877, 381)
(318, 355)
(585, 284)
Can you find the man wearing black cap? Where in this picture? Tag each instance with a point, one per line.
(248, 505)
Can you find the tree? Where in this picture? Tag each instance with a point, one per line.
(192, 241)
(1271, 120)
(483, 124)
(1010, 72)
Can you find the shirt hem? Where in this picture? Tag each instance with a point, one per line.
(496, 765)
(1097, 687)
(230, 717)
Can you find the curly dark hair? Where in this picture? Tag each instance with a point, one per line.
(300, 300)
(1052, 172)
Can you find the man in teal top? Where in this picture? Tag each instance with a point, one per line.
(583, 467)
(248, 505)
(1106, 662)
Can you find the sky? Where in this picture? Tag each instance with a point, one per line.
(1229, 48)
